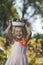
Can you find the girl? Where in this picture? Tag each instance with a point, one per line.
(18, 55)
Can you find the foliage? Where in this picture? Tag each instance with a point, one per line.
(37, 5)
(5, 44)
(34, 50)
(7, 11)
(38, 35)
(3, 57)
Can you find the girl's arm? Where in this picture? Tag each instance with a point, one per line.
(8, 34)
(28, 33)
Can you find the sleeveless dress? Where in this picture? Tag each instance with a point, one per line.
(18, 55)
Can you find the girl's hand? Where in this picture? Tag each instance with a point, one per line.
(26, 22)
(23, 20)
(10, 23)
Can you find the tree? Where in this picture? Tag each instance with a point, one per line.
(37, 5)
(38, 36)
(7, 11)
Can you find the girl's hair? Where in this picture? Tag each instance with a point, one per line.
(18, 27)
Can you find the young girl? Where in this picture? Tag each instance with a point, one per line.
(18, 55)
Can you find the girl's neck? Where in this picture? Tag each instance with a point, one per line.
(17, 39)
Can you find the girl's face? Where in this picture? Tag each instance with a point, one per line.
(18, 33)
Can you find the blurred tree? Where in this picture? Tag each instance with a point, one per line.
(37, 5)
(3, 57)
(7, 11)
(38, 36)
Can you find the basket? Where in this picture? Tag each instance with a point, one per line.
(14, 23)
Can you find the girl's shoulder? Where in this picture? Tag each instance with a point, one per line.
(13, 41)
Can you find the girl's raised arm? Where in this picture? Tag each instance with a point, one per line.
(28, 33)
(7, 32)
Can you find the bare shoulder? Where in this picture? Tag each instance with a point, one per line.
(13, 41)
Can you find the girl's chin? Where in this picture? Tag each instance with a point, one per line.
(19, 37)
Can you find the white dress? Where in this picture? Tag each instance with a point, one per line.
(18, 55)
